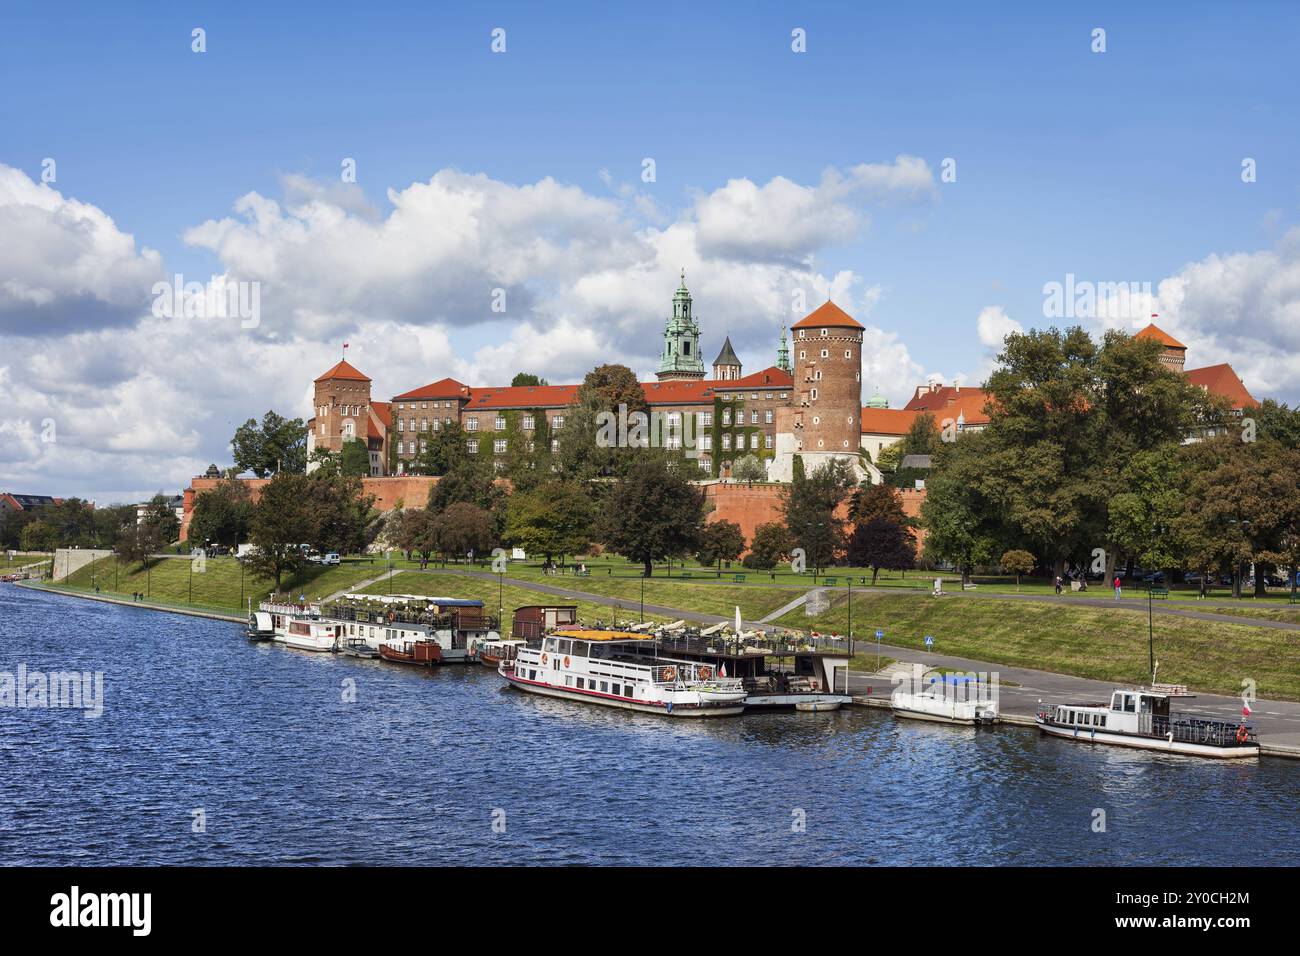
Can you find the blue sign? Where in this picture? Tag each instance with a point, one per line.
(879, 634)
(929, 641)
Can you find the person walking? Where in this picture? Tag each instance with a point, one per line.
(1058, 584)
(1117, 587)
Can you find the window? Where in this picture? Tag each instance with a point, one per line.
(471, 446)
(436, 424)
(705, 464)
(803, 354)
(824, 332)
(753, 396)
(848, 353)
(400, 427)
(399, 448)
(767, 441)
(817, 419)
(410, 424)
(767, 416)
(753, 441)
(499, 424)
(753, 417)
(424, 447)
(555, 445)
(801, 333)
(783, 396)
(726, 443)
(706, 443)
(528, 423)
(706, 418)
(826, 353)
(582, 682)
(726, 416)
(817, 376)
(424, 424)
(557, 421)
(499, 446)
(471, 424)
(813, 395)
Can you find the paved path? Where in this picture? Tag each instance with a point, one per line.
(360, 585)
(785, 609)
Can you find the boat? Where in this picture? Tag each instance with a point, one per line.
(260, 627)
(424, 653)
(1141, 718)
(490, 652)
(282, 613)
(456, 625)
(530, 622)
(946, 698)
(624, 669)
(310, 635)
(776, 674)
(356, 647)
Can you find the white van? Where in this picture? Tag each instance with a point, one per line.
(331, 558)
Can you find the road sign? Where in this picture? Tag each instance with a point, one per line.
(879, 634)
(929, 641)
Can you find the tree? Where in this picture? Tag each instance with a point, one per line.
(748, 468)
(882, 544)
(470, 480)
(276, 445)
(719, 541)
(962, 524)
(922, 438)
(1017, 562)
(420, 533)
(140, 542)
(283, 518)
(771, 546)
(1143, 516)
(465, 528)
(160, 515)
(527, 378)
(354, 458)
(811, 509)
(343, 516)
(556, 518)
(446, 450)
(223, 514)
(882, 501)
(38, 536)
(655, 512)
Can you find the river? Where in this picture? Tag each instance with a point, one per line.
(214, 751)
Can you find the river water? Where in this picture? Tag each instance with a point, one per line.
(211, 750)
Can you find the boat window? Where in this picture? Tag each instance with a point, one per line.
(1071, 717)
(1102, 721)
(562, 647)
(627, 690)
(1116, 702)
(1129, 704)
(568, 681)
(580, 648)
(581, 683)
(604, 687)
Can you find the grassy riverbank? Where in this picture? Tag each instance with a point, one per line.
(1093, 642)
(217, 587)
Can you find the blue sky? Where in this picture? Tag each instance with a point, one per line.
(1119, 166)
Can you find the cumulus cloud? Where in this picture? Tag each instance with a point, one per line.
(64, 264)
(993, 325)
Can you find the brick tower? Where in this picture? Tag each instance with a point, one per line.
(823, 420)
(342, 409)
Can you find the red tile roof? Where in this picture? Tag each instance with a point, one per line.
(887, 421)
(384, 412)
(826, 315)
(1161, 336)
(523, 396)
(771, 377)
(1222, 380)
(345, 371)
(950, 402)
(679, 392)
(443, 388)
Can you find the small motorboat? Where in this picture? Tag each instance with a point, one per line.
(260, 627)
(357, 647)
(946, 698)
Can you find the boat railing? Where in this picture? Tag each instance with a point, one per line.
(1199, 730)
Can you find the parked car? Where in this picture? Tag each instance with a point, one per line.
(1155, 577)
(331, 558)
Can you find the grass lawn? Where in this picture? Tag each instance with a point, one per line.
(461, 586)
(1089, 642)
(168, 581)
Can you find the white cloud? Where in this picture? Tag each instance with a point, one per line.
(64, 264)
(993, 325)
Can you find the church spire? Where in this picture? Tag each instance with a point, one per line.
(681, 352)
(783, 353)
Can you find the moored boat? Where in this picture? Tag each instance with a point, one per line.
(422, 653)
(490, 652)
(310, 635)
(946, 698)
(623, 669)
(1141, 718)
(454, 624)
(260, 627)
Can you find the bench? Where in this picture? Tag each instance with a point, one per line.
(1159, 592)
(830, 582)
(738, 578)
(686, 574)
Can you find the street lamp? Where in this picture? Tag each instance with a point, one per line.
(643, 595)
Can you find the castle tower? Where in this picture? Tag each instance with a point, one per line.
(726, 367)
(681, 354)
(783, 354)
(342, 409)
(823, 421)
(1174, 355)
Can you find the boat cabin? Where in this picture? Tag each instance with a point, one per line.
(776, 671)
(531, 621)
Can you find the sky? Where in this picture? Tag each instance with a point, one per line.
(380, 175)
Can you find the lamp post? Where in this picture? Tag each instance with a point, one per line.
(850, 583)
(643, 595)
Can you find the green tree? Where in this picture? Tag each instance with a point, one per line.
(223, 514)
(963, 526)
(922, 438)
(276, 445)
(160, 515)
(445, 450)
(556, 518)
(283, 518)
(719, 541)
(470, 480)
(771, 546)
(882, 501)
(354, 459)
(811, 507)
(526, 379)
(655, 512)
(1017, 562)
(38, 536)
(1143, 517)
(881, 544)
(464, 528)
(748, 468)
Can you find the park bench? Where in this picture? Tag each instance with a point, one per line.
(739, 578)
(686, 574)
(1159, 592)
(830, 582)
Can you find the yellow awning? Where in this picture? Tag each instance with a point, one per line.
(585, 635)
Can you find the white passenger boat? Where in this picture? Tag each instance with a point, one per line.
(283, 612)
(308, 635)
(1141, 718)
(946, 698)
(621, 669)
(394, 624)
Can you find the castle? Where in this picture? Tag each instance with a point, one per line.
(810, 406)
